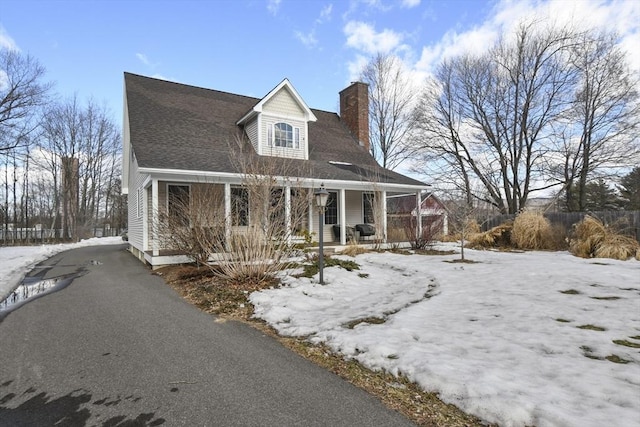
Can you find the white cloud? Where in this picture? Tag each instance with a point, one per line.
(325, 13)
(273, 6)
(355, 67)
(309, 39)
(6, 41)
(363, 37)
(410, 3)
(618, 15)
(143, 58)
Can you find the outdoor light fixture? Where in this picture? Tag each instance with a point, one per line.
(322, 196)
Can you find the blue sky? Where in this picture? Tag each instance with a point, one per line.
(249, 46)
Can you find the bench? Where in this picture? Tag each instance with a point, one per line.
(355, 233)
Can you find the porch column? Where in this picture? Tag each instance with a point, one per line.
(445, 223)
(287, 212)
(384, 216)
(418, 214)
(310, 210)
(155, 222)
(227, 212)
(145, 218)
(342, 205)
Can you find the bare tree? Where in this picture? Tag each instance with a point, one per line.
(599, 133)
(391, 99)
(22, 93)
(492, 118)
(78, 149)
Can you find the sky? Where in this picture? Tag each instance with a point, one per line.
(249, 46)
(512, 345)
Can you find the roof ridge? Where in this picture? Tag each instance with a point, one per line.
(189, 85)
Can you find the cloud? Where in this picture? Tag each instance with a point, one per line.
(617, 15)
(325, 14)
(6, 41)
(273, 6)
(355, 67)
(308, 40)
(363, 37)
(143, 58)
(410, 3)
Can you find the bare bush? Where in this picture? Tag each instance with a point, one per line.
(192, 222)
(531, 230)
(423, 238)
(497, 237)
(593, 239)
(353, 249)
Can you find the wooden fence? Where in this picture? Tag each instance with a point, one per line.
(626, 222)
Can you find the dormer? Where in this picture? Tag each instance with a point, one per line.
(278, 124)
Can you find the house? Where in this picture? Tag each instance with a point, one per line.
(433, 213)
(179, 138)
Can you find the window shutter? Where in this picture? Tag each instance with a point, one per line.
(270, 135)
(296, 137)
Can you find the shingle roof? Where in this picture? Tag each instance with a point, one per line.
(176, 126)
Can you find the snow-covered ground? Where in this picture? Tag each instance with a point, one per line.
(16, 261)
(516, 338)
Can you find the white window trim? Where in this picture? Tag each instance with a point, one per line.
(139, 203)
(296, 136)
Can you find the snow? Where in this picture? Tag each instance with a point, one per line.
(497, 338)
(16, 261)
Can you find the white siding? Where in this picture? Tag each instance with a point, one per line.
(283, 107)
(135, 227)
(354, 208)
(252, 133)
(283, 103)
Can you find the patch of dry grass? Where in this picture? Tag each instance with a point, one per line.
(353, 249)
(531, 230)
(497, 237)
(201, 288)
(593, 239)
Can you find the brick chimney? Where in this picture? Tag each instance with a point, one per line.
(354, 111)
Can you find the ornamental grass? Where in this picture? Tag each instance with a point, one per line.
(593, 239)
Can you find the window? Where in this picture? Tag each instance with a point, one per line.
(331, 212)
(178, 203)
(368, 203)
(283, 135)
(139, 203)
(239, 206)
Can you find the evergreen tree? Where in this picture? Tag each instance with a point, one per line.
(599, 196)
(630, 190)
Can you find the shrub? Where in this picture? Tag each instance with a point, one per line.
(353, 249)
(592, 239)
(499, 236)
(531, 230)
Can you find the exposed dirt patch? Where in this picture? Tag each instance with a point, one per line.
(229, 301)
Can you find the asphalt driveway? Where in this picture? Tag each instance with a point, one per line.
(117, 347)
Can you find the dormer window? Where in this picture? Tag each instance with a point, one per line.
(284, 135)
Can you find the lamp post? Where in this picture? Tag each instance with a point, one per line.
(322, 196)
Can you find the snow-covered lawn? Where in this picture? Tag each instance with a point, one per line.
(516, 338)
(16, 261)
